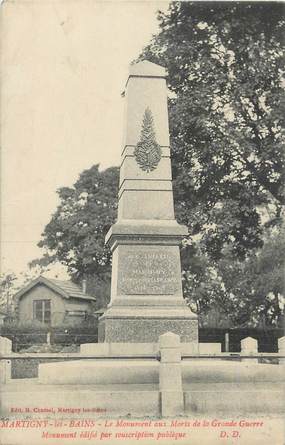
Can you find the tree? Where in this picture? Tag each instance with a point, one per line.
(232, 292)
(264, 279)
(76, 232)
(225, 74)
(225, 67)
(7, 285)
(10, 284)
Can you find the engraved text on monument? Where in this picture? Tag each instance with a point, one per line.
(149, 272)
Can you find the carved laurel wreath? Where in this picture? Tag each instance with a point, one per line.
(147, 151)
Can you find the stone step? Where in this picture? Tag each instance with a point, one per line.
(100, 372)
(134, 371)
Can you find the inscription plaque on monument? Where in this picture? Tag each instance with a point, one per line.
(148, 270)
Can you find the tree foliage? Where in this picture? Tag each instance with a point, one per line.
(6, 287)
(225, 68)
(76, 233)
(10, 284)
(233, 292)
(225, 63)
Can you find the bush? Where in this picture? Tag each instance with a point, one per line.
(74, 335)
(24, 335)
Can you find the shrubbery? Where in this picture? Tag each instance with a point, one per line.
(25, 335)
(68, 335)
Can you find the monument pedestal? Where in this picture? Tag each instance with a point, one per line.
(146, 284)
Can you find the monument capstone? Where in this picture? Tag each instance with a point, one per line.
(146, 292)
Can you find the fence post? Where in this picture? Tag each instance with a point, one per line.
(48, 338)
(170, 375)
(281, 349)
(5, 365)
(249, 347)
(227, 342)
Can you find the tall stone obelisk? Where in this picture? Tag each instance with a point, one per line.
(146, 293)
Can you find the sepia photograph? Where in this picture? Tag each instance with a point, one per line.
(142, 267)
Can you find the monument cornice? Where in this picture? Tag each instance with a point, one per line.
(151, 231)
(145, 240)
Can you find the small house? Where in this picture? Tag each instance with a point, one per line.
(53, 302)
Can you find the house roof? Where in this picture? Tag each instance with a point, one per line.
(67, 289)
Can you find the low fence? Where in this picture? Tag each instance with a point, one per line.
(25, 365)
(57, 336)
(169, 363)
(230, 338)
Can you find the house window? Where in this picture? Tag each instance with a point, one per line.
(42, 310)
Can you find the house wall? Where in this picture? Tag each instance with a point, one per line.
(59, 304)
(75, 305)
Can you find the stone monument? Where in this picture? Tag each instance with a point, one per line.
(146, 293)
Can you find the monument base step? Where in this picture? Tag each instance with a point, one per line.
(146, 371)
(143, 349)
(100, 372)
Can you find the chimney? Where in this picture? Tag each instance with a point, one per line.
(84, 286)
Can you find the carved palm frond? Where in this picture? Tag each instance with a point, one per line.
(147, 151)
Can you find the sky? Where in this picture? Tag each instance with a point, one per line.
(64, 64)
